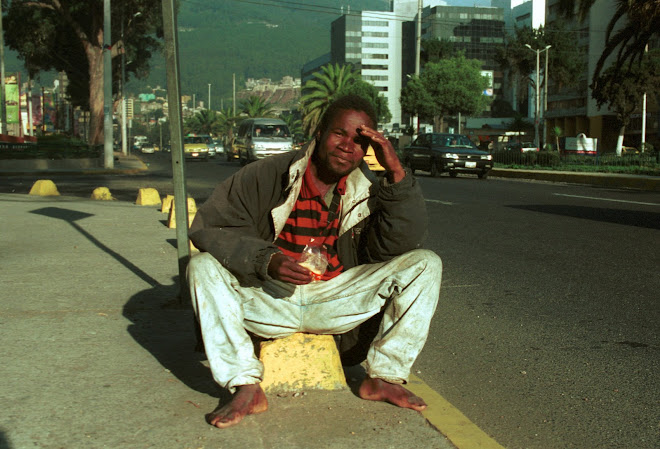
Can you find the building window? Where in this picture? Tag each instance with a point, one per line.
(376, 56)
(374, 45)
(374, 67)
(374, 23)
(375, 77)
(375, 34)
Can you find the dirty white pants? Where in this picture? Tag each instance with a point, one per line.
(408, 286)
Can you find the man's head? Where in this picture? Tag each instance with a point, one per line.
(347, 102)
(341, 146)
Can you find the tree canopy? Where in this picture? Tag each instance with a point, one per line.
(447, 87)
(332, 82)
(68, 37)
(633, 25)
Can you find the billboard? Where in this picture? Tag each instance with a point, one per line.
(12, 99)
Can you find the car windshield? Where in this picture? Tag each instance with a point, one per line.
(452, 141)
(270, 131)
(194, 139)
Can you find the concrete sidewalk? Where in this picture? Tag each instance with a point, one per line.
(97, 353)
(123, 164)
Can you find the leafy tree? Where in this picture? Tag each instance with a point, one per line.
(331, 83)
(203, 122)
(565, 59)
(325, 86)
(622, 91)
(68, 37)
(293, 123)
(433, 50)
(368, 91)
(448, 87)
(637, 23)
(256, 106)
(226, 121)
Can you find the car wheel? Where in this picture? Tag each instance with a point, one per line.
(434, 169)
(483, 175)
(453, 174)
(410, 167)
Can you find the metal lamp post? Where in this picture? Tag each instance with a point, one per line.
(124, 132)
(538, 95)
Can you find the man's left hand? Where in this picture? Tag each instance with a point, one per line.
(385, 153)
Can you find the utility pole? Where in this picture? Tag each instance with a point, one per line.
(209, 108)
(537, 105)
(546, 80)
(108, 156)
(234, 94)
(642, 149)
(418, 50)
(3, 109)
(176, 141)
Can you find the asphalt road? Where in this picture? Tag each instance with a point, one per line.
(547, 334)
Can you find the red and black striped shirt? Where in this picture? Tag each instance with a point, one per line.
(312, 219)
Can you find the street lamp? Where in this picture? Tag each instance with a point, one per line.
(124, 133)
(538, 93)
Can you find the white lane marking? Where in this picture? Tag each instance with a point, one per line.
(446, 203)
(607, 199)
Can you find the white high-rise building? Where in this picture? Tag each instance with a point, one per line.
(372, 42)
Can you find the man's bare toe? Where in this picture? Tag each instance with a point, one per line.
(248, 400)
(380, 390)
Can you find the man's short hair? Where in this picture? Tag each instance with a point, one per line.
(347, 103)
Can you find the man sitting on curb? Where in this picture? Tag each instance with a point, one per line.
(256, 224)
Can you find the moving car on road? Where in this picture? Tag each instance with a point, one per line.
(195, 147)
(258, 138)
(451, 153)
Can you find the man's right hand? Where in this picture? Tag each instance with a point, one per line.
(286, 269)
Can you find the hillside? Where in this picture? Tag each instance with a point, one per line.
(269, 39)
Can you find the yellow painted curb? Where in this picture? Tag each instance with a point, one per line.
(148, 197)
(192, 210)
(301, 362)
(167, 204)
(44, 187)
(102, 193)
(449, 420)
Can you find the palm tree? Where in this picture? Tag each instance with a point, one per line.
(322, 90)
(642, 23)
(256, 106)
(294, 124)
(203, 122)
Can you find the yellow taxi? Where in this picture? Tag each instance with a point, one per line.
(372, 162)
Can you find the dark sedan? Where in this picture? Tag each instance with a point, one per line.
(451, 153)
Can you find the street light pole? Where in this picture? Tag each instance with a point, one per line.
(538, 95)
(546, 79)
(108, 154)
(124, 132)
(209, 97)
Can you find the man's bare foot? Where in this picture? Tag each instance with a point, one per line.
(248, 400)
(379, 390)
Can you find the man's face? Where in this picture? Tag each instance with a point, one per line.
(341, 147)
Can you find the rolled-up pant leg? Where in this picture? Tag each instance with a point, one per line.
(408, 286)
(219, 300)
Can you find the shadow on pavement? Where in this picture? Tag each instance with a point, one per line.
(167, 330)
(640, 219)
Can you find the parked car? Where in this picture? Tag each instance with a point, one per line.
(522, 147)
(195, 147)
(451, 153)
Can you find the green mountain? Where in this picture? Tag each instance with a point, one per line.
(248, 38)
(251, 39)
